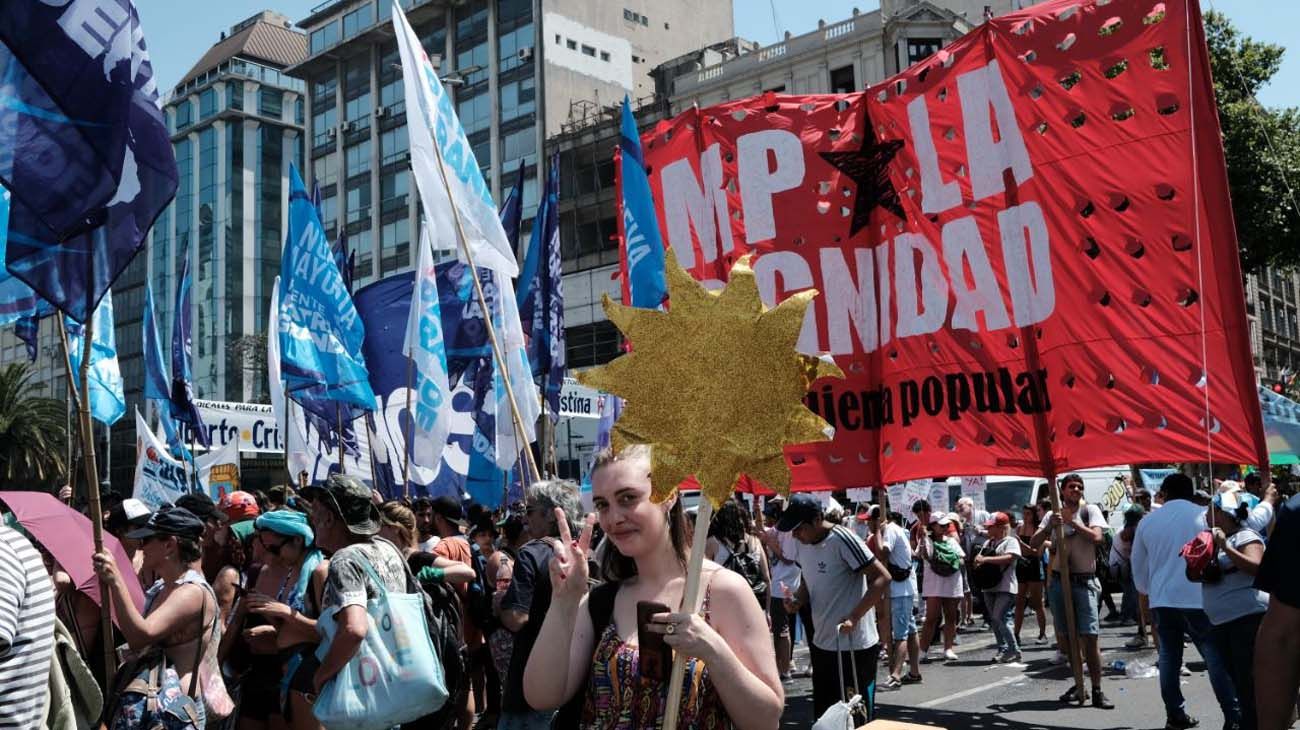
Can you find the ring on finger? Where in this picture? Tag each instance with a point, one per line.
(672, 629)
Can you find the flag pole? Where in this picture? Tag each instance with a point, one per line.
(406, 439)
(487, 321)
(338, 414)
(73, 397)
(92, 485)
(285, 389)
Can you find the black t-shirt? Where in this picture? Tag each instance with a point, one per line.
(1279, 572)
(530, 592)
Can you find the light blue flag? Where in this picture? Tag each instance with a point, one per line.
(320, 332)
(430, 399)
(17, 300)
(157, 385)
(107, 400)
(645, 247)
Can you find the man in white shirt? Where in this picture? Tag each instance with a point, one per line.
(1159, 572)
(897, 549)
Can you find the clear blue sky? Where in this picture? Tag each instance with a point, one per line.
(179, 32)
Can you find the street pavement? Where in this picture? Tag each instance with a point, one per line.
(974, 694)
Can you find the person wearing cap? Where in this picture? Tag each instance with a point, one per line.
(214, 537)
(842, 582)
(785, 581)
(1159, 572)
(942, 593)
(346, 522)
(1003, 551)
(1233, 604)
(180, 607)
(124, 517)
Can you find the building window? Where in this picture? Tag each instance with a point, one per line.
(629, 15)
(474, 56)
(358, 201)
(395, 245)
(270, 102)
(518, 98)
(645, 21)
(592, 344)
(234, 94)
(636, 58)
(183, 115)
(588, 51)
(329, 211)
(842, 80)
(604, 56)
(325, 36)
(557, 39)
(207, 103)
(393, 191)
(324, 127)
(919, 49)
(474, 113)
(572, 44)
(325, 169)
(393, 146)
(365, 266)
(358, 20)
(323, 92)
(665, 26)
(358, 158)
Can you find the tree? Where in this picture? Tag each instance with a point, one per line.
(1262, 146)
(32, 435)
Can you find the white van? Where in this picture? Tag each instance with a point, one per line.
(1010, 493)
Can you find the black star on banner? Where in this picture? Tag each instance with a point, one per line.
(868, 167)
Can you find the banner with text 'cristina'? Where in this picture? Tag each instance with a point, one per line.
(1023, 246)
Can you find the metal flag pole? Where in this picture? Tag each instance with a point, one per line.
(338, 414)
(73, 398)
(285, 435)
(487, 320)
(92, 484)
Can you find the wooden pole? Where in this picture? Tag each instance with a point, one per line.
(487, 320)
(690, 604)
(1061, 556)
(338, 415)
(74, 399)
(285, 434)
(92, 484)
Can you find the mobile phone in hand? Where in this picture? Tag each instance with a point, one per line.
(656, 657)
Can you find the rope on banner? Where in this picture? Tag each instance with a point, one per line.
(1200, 249)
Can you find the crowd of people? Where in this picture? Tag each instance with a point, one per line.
(541, 615)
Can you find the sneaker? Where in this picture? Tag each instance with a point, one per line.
(911, 679)
(786, 678)
(1137, 642)
(1059, 658)
(1041, 640)
(1010, 657)
(1181, 722)
(926, 658)
(1112, 618)
(1072, 696)
(892, 684)
(1184, 671)
(949, 655)
(1101, 701)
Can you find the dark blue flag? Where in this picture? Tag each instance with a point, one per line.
(513, 209)
(344, 259)
(83, 146)
(28, 329)
(181, 405)
(541, 293)
(156, 382)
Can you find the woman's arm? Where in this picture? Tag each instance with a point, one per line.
(454, 571)
(224, 586)
(739, 655)
(1247, 558)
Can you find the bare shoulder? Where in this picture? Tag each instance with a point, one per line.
(726, 585)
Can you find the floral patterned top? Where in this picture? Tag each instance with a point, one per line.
(619, 699)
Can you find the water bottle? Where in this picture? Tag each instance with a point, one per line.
(1118, 666)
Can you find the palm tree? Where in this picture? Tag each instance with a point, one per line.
(31, 432)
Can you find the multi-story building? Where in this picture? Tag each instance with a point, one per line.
(517, 69)
(236, 123)
(1272, 307)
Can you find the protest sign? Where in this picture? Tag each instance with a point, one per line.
(1008, 242)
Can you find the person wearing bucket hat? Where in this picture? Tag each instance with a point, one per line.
(346, 521)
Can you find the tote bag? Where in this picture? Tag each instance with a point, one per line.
(394, 677)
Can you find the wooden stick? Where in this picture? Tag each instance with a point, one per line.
(406, 440)
(487, 321)
(690, 604)
(1062, 558)
(92, 485)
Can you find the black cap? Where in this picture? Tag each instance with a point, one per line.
(169, 520)
(802, 508)
(450, 510)
(349, 498)
(201, 506)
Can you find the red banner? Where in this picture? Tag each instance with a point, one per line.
(1024, 247)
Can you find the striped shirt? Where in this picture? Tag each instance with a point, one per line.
(833, 572)
(26, 631)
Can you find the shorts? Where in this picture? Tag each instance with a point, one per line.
(777, 617)
(901, 620)
(1084, 592)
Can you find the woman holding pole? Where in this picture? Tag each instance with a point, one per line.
(591, 643)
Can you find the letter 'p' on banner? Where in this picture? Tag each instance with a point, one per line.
(1024, 247)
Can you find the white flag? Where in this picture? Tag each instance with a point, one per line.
(510, 335)
(431, 119)
(430, 398)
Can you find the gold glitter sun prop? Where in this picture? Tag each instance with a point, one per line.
(714, 384)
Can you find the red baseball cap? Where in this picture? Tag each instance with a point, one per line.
(240, 506)
(998, 518)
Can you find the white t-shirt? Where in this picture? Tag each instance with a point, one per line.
(426, 546)
(895, 542)
(1260, 518)
(785, 571)
(832, 569)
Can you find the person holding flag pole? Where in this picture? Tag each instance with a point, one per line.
(460, 207)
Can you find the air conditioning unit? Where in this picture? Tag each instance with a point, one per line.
(346, 127)
(331, 132)
(526, 54)
(381, 112)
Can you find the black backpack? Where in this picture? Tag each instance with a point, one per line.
(443, 613)
(747, 565)
(478, 596)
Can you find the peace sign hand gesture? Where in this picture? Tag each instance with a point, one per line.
(569, 561)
